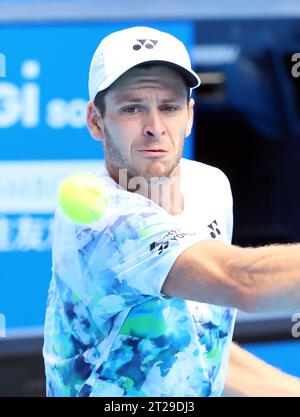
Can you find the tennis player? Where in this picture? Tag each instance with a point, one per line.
(143, 302)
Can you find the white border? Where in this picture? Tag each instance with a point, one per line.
(120, 10)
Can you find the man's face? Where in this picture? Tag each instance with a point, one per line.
(146, 121)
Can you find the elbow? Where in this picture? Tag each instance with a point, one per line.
(251, 298)
(240, 279)
(247, 296)
(248, 302)
(249, 285)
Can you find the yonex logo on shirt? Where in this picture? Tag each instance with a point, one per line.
(215, 231)
(144, 43)
(161, 248)
(172, 235)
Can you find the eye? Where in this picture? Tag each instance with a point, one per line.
(169, 108)
(130, 109)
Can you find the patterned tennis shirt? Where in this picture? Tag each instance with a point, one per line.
(109, 330)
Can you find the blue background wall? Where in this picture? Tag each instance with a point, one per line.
(43, 138)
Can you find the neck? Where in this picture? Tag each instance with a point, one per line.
(164, 191)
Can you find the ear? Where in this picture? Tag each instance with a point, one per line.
(94, 122)
(190, 121)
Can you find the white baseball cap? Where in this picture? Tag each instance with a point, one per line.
(124, 49)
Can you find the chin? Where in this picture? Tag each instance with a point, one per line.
(158, 171)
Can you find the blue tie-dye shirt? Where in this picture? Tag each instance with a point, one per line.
(109, 331)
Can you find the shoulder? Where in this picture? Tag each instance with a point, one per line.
(125, 216)
(200, 171)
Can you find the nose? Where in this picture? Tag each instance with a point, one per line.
(153, 128)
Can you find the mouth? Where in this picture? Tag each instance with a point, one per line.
(153, 153)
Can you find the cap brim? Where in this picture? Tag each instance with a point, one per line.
(192, 79)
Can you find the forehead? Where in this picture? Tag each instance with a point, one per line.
(158, 77)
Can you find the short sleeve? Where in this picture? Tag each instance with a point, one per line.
(133, 255)
(117, 263)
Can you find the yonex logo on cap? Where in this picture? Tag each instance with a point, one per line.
(140, 44)
(144, 43)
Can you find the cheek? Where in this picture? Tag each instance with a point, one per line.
(122, 136)
(129, 130)
(178, 133)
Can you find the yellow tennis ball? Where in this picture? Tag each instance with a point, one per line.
(83, 198)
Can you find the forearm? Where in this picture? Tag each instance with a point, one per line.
(270, 277)
(263, 279)
(250, 376)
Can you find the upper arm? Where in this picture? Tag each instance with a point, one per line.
(203, 273)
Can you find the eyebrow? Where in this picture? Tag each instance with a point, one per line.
(129, 99)
(133, 99)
